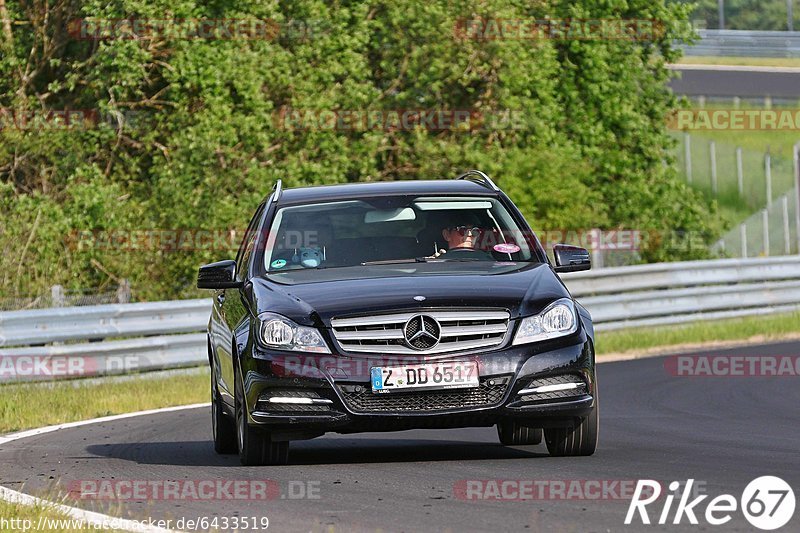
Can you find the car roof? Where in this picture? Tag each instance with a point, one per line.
(318, 193)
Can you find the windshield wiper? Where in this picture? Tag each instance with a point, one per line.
(395, 261)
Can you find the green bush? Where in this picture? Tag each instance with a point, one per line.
(189, 137)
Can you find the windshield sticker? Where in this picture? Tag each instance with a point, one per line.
(506, 248)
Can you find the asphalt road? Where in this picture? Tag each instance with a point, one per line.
(721, 431)
(744, 82)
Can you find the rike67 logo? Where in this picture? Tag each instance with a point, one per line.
(767, 502)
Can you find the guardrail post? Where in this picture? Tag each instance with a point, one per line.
(743, 238)
(768, 175)
(712, 154)
(687, 151)
(796, 159)
(124, 292)
(597, 248)
(739, 171)
(765, 227)
(787, 241)
(57, 295)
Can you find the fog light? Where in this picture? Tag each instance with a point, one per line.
(551, 388)
(302, 401)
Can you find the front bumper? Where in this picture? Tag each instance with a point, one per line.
(343, 401)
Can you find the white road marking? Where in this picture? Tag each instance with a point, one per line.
(49, 429)
(89, 517)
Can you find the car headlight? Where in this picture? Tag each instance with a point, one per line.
(558, 319)
(276, 331)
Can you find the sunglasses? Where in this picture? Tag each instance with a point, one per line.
(465, 230)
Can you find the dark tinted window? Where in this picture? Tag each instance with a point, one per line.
(355, 232)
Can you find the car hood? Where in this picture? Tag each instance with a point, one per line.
(314, 297)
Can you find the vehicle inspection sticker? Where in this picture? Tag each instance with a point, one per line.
(506, 248)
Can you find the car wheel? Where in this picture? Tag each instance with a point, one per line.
(579, 440)
(511, 433)
(255, 446)
(222, 427)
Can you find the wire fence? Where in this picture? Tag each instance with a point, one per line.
(774, 15)
(769, 232)
(761, 185)
(745, 43)
(58, 296)
(737, 175)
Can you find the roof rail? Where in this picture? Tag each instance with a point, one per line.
(276, 190)
(480, 178)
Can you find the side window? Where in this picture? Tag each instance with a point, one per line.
(246, 248)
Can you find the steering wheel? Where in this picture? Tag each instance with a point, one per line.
(467, 253)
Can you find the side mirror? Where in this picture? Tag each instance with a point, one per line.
(571, 258)
(219, 275)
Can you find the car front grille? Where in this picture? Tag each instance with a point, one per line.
(361, 399)
(394, 333)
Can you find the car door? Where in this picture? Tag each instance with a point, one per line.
(229, 310)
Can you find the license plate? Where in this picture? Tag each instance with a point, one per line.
(452, 375)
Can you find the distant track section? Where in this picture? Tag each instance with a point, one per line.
(741, 81)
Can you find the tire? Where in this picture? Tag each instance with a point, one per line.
(580, 440)
(223, 428)
(512, 433)
(255, 446)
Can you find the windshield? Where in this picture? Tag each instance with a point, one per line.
(394, 230)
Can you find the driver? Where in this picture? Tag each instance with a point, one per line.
(462, 240)
(463, 236)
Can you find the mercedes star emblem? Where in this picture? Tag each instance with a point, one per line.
(422, 332)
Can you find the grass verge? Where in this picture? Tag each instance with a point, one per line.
(754, 329)
(741, 61)
(39, 518)
(26, 406)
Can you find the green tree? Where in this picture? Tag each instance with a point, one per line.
(187, 132)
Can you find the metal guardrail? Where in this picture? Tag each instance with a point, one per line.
(161, 335)
(745, 43)
(58, 324)
(674, 293)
